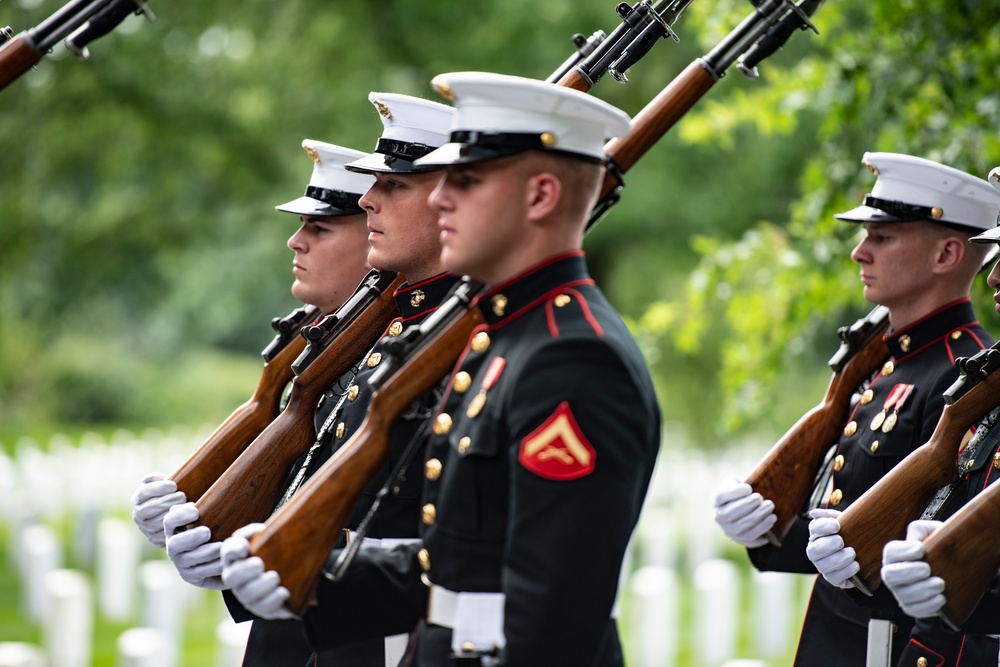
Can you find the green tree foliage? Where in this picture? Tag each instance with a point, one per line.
(140, 240)
(912, 77)
(138, 187)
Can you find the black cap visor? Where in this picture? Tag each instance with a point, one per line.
(323, 201)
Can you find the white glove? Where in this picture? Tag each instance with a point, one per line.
(908, 577)
(195, 557)
(826, 549)
(743, 515)
(260, 592)
(150, 503)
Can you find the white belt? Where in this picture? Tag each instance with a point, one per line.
(475, 619)
(381, 543)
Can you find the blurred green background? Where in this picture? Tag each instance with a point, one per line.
(141, 259)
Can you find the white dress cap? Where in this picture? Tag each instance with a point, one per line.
(499, 115)
(910, 188)
(993, 235)
(412, 128)
(332, 190)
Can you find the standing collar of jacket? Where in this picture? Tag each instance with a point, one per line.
(512, 297)
(917, 335)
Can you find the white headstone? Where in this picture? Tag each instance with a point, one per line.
(141, 647)
(716, 602)
(19, 654)
(163, 605)
(68, 627)
(38, 555)
(232, 642)
(118, 547)
(774, 599)
(655, 615)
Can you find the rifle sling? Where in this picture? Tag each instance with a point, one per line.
(322, 437)
(334, 568)
(984, 431)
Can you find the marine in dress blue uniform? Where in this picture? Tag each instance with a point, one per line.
(978, 467)
(412, 127)
(549, 428)
(896, 410)
(542, 449)
(332, 192)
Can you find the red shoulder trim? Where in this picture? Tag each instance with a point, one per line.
(550, 316)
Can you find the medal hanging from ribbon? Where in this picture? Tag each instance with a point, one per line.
(886, 420)
(492, 375)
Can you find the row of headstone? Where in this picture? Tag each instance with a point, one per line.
(717, 591)
(63, 602)
(82, 486)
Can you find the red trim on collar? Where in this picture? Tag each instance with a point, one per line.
(527, 272)
(412, 286)
(532, 304)
(937, 655)
(947, 306)
(989, 473)
(422, 313)
(946, 337)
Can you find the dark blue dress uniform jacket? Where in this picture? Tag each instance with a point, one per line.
(532, 490)
(284, 642)
(920, 369)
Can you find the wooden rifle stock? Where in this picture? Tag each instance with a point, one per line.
(234, 435)
(249, 489)
(787, 472)
(883, 512)
(965, 552)
(296, 541)
(16, 57)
